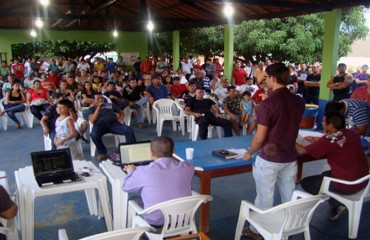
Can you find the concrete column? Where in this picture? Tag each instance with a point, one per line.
(329, 58)
(176, 49)
(330, 50)
(228, 50)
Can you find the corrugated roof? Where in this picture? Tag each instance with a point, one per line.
(168, 15)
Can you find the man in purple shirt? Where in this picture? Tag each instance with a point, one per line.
(162, 180)
(278, 119)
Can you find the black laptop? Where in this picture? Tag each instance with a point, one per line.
(53, 167)
(137, 154)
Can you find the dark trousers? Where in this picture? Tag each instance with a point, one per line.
(312, 185)
(203, 123)
(12, 109)
(36, 110)
(110, 127)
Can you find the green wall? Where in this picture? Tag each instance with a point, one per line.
(126, 41)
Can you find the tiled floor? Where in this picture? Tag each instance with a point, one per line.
(70, 211)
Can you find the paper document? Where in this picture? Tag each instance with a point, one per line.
(239, 151)
(301, 141)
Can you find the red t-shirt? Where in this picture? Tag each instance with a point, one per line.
(239, 75)
(199, 67)
(35, 95)
(55, 79)
(281, 112)
(177, 90)
(347, 162)
(18, 70)
(361, 94)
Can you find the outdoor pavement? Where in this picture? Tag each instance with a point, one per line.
(70, 210)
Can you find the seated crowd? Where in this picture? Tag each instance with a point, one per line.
(256, 96)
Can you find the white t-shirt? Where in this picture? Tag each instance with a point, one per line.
(186, 67)
(83, 67)
(221, 92)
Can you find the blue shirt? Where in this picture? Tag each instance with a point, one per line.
(358, 113)
(162, 180)
(111, 67)
(158, 93)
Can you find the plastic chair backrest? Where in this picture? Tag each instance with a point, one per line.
(179, 213)
(299, 213)
(124, 234)
(166, 107)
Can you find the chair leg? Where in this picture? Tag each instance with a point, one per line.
(240, 224)
(306, 233)
(354, 215)
(182, 124)
(5, 121)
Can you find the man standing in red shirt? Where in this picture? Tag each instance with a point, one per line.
(239, 74)
(146, 66)
(278, 119)
(18, 69)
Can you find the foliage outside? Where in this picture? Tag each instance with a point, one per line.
(61, 48)
(293, 39)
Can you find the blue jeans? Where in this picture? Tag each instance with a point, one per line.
(139, 111)
(99, 130)
(36, 110)
(11, 109)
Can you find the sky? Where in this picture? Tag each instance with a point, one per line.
(368, 17)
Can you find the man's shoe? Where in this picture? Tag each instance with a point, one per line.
(102, 157)
(338, 212)
(252, 235)
(114, 156)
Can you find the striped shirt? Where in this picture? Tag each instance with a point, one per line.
(358, 113)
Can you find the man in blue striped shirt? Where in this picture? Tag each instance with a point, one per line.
(357, 114)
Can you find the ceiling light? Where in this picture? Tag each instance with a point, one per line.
(150, 26)
(44, 2)
(33, 33)
(115, 33)
(228, 10)
(39, 23)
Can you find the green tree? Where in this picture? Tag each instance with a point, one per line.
(294, 39)
(61, 48)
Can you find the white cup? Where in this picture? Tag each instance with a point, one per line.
(189, 153)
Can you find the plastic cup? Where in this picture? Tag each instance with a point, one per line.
(189, 153)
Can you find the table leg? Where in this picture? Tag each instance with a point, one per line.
(205, 188)
(120, 206)
(29, 222)
(104, 199)
(299, 172)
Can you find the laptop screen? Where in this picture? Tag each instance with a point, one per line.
(136, 152)
(49, 162)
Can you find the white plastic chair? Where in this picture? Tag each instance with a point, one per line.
(353, 202)
(22, 116)
(9, 228)
(283, 220)
(178, 215)
(195, 129)
(168, 109)
(124, 234)
(118, 139)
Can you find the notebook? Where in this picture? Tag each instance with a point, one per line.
(53, 167)
(225, 154)
(135, 153)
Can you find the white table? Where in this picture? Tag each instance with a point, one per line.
(28, 191)
(119, 198)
